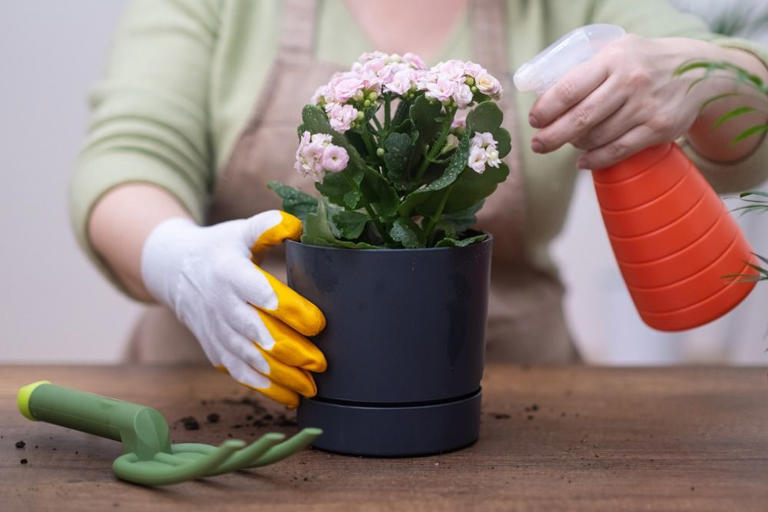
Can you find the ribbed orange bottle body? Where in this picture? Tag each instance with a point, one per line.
(673, 239)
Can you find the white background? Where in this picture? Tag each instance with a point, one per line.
(55, 307)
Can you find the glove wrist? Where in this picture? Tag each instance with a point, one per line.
(162, 257)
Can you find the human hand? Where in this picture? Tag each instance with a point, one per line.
(625, 99)
(248, 323)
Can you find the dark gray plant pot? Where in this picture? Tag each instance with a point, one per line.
(405, 342)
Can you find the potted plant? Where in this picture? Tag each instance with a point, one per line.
(403, 157)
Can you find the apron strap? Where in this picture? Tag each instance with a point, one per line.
(488, 19)
(490, 46)
(297, 31)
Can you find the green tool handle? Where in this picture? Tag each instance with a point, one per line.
(86, 412)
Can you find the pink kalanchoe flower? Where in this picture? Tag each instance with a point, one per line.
(441, 89)
(401, 82)
(414, 61)
(345, 86)
(451, 69)
(463, 95)
(301, 164)
(459, 122)
(473, 70)
(483, 139)
(477, 158)
(319, 96)
(335, 158)
(488, 85)
(492, 156)
(483, 152)
(316, 155)
(341, 117)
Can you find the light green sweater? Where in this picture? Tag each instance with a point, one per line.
(183, 75)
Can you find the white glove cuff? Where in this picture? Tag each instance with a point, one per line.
(162, 257)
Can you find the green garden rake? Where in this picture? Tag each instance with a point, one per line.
(150, 458)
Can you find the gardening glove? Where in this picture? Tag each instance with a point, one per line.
(249, 324)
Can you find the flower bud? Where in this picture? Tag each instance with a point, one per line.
(380, 152)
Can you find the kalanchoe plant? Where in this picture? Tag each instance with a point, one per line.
(402, 156)
(755, 200)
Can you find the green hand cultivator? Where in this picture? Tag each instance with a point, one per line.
(150, 458)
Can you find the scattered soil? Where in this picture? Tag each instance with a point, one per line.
(256, 406)
(23, 461)
(213, 418)
(190, 423)
(20, 444)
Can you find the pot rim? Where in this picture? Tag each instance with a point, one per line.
(488, 240)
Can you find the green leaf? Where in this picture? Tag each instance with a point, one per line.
(751, 131)
(453, 224)
(719, 97)
(425, 116)
(748, 193)
(401, 114)
(739, 74)
(406, 232)
(733, 113)
(380, 194)
(317, 230)
(314, 120)
(348, 224)
(295, 201)
(341, 189)
(472, 187)
(485, 117)
(397, 153)
(457, 164)
(452, 242)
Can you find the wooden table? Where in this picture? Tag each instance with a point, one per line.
(556, 438)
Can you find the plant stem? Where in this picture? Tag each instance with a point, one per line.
(367, 206)
(436, 217)
(435, 149)
(368, 142)
(387, 116)
(378, 124)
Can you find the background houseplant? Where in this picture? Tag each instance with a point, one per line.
(755, 200)
(387, 251)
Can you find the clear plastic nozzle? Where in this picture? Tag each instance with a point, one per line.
(575, 47)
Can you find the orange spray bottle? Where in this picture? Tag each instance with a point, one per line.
(673, 238)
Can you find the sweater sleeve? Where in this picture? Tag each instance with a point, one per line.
(657, 18)
(149, 119)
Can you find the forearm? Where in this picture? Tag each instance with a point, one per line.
(716, 143)
(121, 222)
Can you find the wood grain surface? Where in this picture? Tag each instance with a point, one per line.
(555, 438)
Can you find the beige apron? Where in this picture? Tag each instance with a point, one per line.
(525, 319)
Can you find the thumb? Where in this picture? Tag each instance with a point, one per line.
(270, 228)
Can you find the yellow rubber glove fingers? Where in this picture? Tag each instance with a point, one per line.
(271, 390)
(290, 347)
(293, 309)
(289, 227)
(290, 377)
